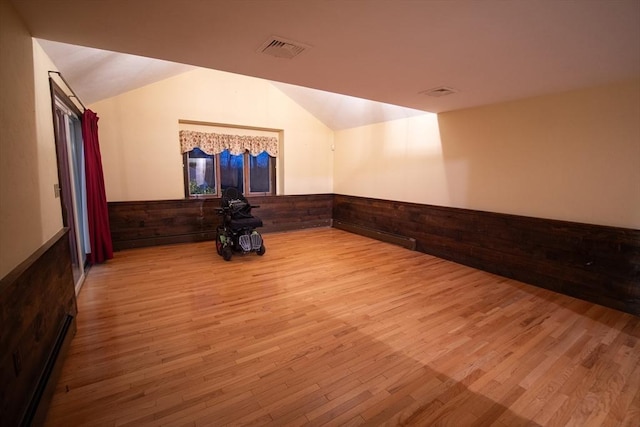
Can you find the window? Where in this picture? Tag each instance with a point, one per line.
(209, 174)
(241, 157)
(202, 173)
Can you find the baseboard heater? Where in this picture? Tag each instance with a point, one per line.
(39, 402)
(396, 239)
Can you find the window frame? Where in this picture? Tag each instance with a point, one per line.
(187, 183)
(246, 181)
(247, 174)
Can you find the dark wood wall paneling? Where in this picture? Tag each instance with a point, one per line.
(595, 263)
(159, 222)
(38, 309)
(148, 223)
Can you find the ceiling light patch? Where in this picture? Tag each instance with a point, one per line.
(282, 48)
(437, 92)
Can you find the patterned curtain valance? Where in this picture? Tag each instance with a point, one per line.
(214, 143)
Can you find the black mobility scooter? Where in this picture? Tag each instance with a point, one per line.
(238, 230)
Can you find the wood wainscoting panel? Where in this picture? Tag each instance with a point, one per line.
(596, 263)
(37, 318)
(158, 222)
(284, 213)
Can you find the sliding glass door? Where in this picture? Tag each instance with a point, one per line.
(70, 155)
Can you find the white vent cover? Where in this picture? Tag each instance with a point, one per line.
(437, 92)
(282, 48)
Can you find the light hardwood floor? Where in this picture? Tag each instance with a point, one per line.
(334, 328)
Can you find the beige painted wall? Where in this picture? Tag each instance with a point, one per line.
(395, 160)
(139, 142)
(573, 156)
(29, 212)
(50, 210)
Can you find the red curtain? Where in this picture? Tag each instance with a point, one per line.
(99, 231)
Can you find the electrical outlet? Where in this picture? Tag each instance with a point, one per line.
(56, 190)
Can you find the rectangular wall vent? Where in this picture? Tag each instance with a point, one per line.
(282, 48)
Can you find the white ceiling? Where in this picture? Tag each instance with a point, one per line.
(388, 51)
(96, 74)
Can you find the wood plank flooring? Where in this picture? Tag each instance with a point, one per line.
(331, 328)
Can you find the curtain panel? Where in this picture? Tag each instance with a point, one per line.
(215, 143)
(97, 212)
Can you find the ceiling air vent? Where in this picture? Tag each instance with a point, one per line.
(437, 92)
(282, 48)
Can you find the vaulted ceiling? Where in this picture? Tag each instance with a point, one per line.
(96, 74)
(387, 51)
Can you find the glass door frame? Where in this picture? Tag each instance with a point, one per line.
(70, 158)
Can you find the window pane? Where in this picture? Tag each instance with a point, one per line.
(231, 171)
(202, 173)
(259, 169)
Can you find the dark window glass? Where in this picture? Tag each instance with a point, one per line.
(231, 171)
(209, 175)
(259, 173)
(202, 173)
